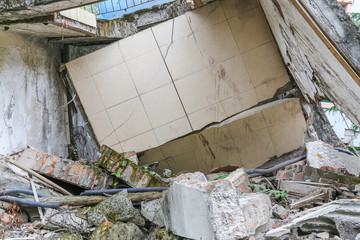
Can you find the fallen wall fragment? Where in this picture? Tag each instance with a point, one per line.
(66, 170)
(340, 217)
(124, 166)
(320, 154)
(198, 209)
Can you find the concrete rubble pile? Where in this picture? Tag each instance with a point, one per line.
(314, 197)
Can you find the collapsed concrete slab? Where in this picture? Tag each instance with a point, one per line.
(340, 218)
(198, 209)
(248, 139)
(124, 166)
(66, 170)
(320, 154)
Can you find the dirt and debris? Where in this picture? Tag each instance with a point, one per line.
(302, 199)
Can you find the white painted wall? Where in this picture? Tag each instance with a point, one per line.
(30, 96)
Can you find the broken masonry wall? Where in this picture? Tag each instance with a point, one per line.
(179, 76)
(31, 96)
(315, 68)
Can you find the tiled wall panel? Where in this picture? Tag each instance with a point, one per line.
(179, 76)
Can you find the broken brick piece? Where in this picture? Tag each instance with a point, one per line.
(123, 167)
(66, 170)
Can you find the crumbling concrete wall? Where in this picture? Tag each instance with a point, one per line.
(31, 96)
(316, 68)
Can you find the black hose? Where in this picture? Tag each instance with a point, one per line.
(130, 190)
(259, 172)
(346, 151)
(29, 202)
(16, 191)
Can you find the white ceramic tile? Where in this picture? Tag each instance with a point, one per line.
(254, 148)
(129, 119)
(179, 146)
(205, 116)
(247, 125)
(148, 71)
(198, 90)
(115, 85)
(109, 140)
(103, 129)
(234, 8)
(184, 162)
(117, 148)
(216, 43)
(172, 130)
(140, 143)
(206, 16)
(89, 97)
(250, 30)
(183, 57)
(78, 70)
(283, 113)
(104, 58)
(267, 90)
(288, 136)
(240, 102)
(171, 30)
(264, 64)
(137, 44)
(232, 77)
(162, 105)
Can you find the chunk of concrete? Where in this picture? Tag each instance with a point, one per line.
(68, 219)
(197, 209)
(341, 217)
(152, 211)
(280, 212)
(240, 180)
(120, 231)
(122, 164)
(66, 170)
(115, 208)
(320, 154)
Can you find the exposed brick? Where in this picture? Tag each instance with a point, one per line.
(66, 170)
(122, 164)
(328, 168)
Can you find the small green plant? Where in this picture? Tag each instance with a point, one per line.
(271, 192)
(222, 176)
(115, 184)
(160, 234)
(118, 175)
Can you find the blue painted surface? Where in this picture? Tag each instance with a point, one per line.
(111, 9)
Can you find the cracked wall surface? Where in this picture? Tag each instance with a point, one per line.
(315, 68)
(179, 76)
(31, 96)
